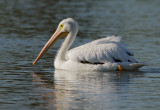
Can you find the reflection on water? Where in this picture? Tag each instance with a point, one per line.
(77, 90)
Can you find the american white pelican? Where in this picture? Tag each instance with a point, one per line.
(100, 55)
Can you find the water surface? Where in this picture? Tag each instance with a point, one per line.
(26, 25)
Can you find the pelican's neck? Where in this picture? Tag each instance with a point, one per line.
(61, 56)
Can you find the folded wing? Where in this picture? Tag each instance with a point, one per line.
(109, 49)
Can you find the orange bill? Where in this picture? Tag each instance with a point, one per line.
(56, 36)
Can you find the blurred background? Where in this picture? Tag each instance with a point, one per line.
(26, 25)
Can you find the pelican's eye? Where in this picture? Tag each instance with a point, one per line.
(61, 26)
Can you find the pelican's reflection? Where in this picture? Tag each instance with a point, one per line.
(80, 89)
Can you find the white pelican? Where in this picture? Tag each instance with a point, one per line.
(100, 55)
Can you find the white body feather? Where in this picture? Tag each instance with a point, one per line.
(103, 50)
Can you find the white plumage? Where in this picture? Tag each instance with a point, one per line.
(100, 55)
(102, 50)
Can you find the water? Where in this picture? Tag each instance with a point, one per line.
(26, 25)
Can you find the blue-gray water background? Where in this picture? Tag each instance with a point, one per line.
(26, 25)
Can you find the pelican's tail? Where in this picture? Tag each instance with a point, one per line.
(132, 66)
(136, 66)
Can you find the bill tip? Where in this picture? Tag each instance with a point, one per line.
(33, 63)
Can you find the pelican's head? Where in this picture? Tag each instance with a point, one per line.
(63, 29)
(67, 25)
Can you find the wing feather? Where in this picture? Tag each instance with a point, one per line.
(109, 49)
